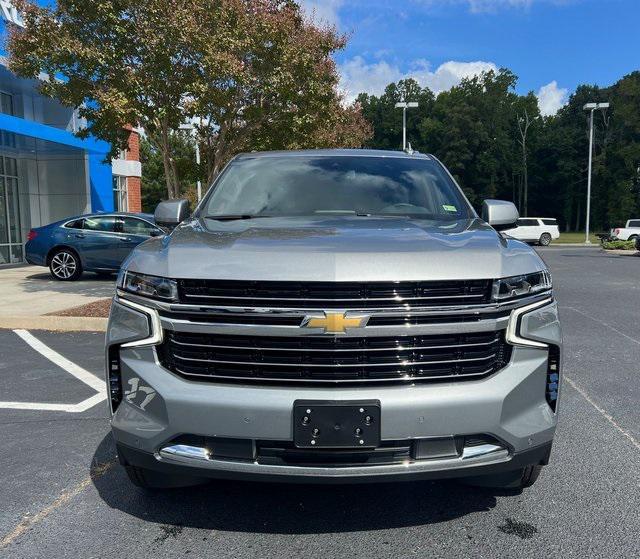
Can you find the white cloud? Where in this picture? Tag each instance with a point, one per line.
(323, 11)
(551, 98)
(358, 76)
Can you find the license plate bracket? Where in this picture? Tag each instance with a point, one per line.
(336, 424)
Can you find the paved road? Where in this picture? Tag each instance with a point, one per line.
(63, 496)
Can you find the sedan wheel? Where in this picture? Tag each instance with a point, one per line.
(65, 266)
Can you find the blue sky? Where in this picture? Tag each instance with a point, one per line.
(551, 45)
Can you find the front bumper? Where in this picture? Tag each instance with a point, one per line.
(423, 470)
(158, 407)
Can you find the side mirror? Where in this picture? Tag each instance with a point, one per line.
(171, 212)
(155, 233)
(499, 214)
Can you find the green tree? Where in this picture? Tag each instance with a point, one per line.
(563, 155)
(387, 120)
(122, 63)
(527, 114)
(253, 74)
(479, 130)
(472, 129)
(153, 186)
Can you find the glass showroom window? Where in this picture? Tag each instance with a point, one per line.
(10, 235)
(120, 202)
(7, 139)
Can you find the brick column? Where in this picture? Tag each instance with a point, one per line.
(134, 197)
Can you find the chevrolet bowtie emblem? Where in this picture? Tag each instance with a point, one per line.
(335, 322)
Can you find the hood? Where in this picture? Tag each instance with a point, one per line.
(342, 248)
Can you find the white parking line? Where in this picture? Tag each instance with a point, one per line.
(603, 412)
(620, 333)
(584, 393)
(61, 361)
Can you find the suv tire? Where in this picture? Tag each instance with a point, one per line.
(145, 478)
(65, 265)
(514, 480)
(545, 239)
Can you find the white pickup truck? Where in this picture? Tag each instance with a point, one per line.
(629, 232)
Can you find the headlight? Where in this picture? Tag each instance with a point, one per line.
(521, 286)
(148, 286)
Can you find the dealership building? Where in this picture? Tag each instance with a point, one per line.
(46, 172)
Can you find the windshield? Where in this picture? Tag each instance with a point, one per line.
(364, 185)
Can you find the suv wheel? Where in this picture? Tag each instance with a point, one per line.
(545, 239)
(150, 479)
(65, 265)
(515, 480)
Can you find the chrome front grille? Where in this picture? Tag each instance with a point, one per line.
(295, 319)
(333, 295)
(220, 357)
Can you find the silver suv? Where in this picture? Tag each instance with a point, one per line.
(334, 316)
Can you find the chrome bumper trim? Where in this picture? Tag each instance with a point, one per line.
(480, 450)
(200, 458)
(186, 452)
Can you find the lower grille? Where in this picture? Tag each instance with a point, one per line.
(217, 357)
(286, 454)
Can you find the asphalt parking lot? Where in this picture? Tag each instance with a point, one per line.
(63, 495)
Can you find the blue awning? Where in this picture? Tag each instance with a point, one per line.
(42, 131)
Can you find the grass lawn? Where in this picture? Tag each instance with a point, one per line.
(575, 237)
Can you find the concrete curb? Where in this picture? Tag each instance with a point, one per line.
(573, 245)
(621, 252)
(55, 323)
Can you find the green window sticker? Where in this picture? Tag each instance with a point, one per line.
(448, 208)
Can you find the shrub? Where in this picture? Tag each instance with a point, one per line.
(619, 245)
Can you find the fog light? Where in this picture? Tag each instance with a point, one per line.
(115, 378)
(553, 377)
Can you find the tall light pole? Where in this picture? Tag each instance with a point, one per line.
(404, 106)
(591, 107)
(192, 130)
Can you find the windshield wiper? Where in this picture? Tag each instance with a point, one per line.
(232, 217)
(359, 213)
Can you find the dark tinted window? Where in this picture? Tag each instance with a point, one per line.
(135, 226)
(527, 222)
(305, 185)
(6, 103)
(550, 221)
(100, 223)
(634, 223)
(77, 224)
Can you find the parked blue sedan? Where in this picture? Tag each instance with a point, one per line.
(88, 243)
